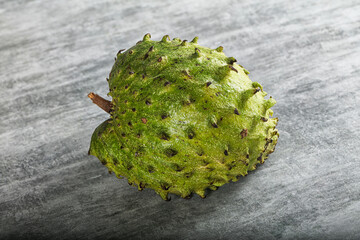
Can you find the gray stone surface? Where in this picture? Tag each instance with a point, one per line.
(305, 53)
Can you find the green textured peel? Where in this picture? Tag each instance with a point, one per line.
(183, 118)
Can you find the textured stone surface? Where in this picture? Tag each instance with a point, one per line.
(305, 54)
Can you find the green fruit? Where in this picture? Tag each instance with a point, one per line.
(183, 118)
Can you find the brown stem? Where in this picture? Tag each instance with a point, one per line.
(101, 102)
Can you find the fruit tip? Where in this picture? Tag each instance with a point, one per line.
(147, 37)
(165, 38)
(184, 43)
(219, 49)
(195, 40)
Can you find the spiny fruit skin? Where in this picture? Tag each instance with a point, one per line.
(184, 118)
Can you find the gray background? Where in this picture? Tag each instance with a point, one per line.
(305, 53)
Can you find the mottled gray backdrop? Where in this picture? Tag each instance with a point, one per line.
(305, 53)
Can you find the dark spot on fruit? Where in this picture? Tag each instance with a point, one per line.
(264, 119)
(226, 153)
(191, 135)
(265, 147)
(121, 50)
(177, 168)
(208, 84)
(188, 174)
(244, 133)
(126, 86)
(236, 111)
(210, 169)
(170, 152)
(151, 169)
(165, 186)
(231, 60)
(187, 73)
(164, 136)
(232, 68)
(200, 153)
(187, 102)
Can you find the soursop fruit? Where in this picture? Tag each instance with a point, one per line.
(183, 118)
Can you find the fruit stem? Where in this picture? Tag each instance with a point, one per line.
(101, 102)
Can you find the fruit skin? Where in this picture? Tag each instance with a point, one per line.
(184, 118)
